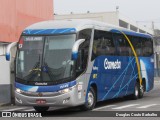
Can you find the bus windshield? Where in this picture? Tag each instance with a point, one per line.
(45, 59)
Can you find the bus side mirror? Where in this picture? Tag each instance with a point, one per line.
(75, 48)
(8, 51)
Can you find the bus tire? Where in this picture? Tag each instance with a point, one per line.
(135, 95)
(41, 108)
(91, 101)
(141, 90)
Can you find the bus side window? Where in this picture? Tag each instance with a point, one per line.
(129, 47)
(122, 45)
(83, 52)
(102, 44)
(147, 47)
(137, 44)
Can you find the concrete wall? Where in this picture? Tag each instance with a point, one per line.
(5, 85)
(108, 17)
(114, 18)
(6, 76)
(132, 24)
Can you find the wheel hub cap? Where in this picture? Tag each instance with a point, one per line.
(90, 99)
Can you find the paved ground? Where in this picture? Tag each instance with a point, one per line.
(150, 102)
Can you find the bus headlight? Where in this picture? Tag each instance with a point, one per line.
(18, 90)
(64, 90)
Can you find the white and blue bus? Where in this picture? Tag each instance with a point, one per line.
(80, 62)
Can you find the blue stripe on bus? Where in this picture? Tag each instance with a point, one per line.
(131, 33)
(48, 31)
(52, 88)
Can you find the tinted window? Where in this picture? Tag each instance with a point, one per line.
(142, 46)
(123, 48)
(102, 44)
(137, 44)
(147, 47)
(83, 52)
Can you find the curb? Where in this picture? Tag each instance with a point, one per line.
(5, 104)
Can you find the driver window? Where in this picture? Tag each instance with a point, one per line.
(83, 52)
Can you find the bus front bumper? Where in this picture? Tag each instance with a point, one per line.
(67, 99)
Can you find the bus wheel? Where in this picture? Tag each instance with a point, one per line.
(135, 95)
(91, 101)
(41, 108)
(141, 91)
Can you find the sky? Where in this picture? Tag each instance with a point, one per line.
(143, 11)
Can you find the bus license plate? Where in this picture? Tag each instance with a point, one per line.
(41, 101)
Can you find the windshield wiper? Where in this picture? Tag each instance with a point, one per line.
(33, 71)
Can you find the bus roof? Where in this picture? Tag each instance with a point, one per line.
(75, 25)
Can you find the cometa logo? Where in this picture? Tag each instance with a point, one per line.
(112, 64)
